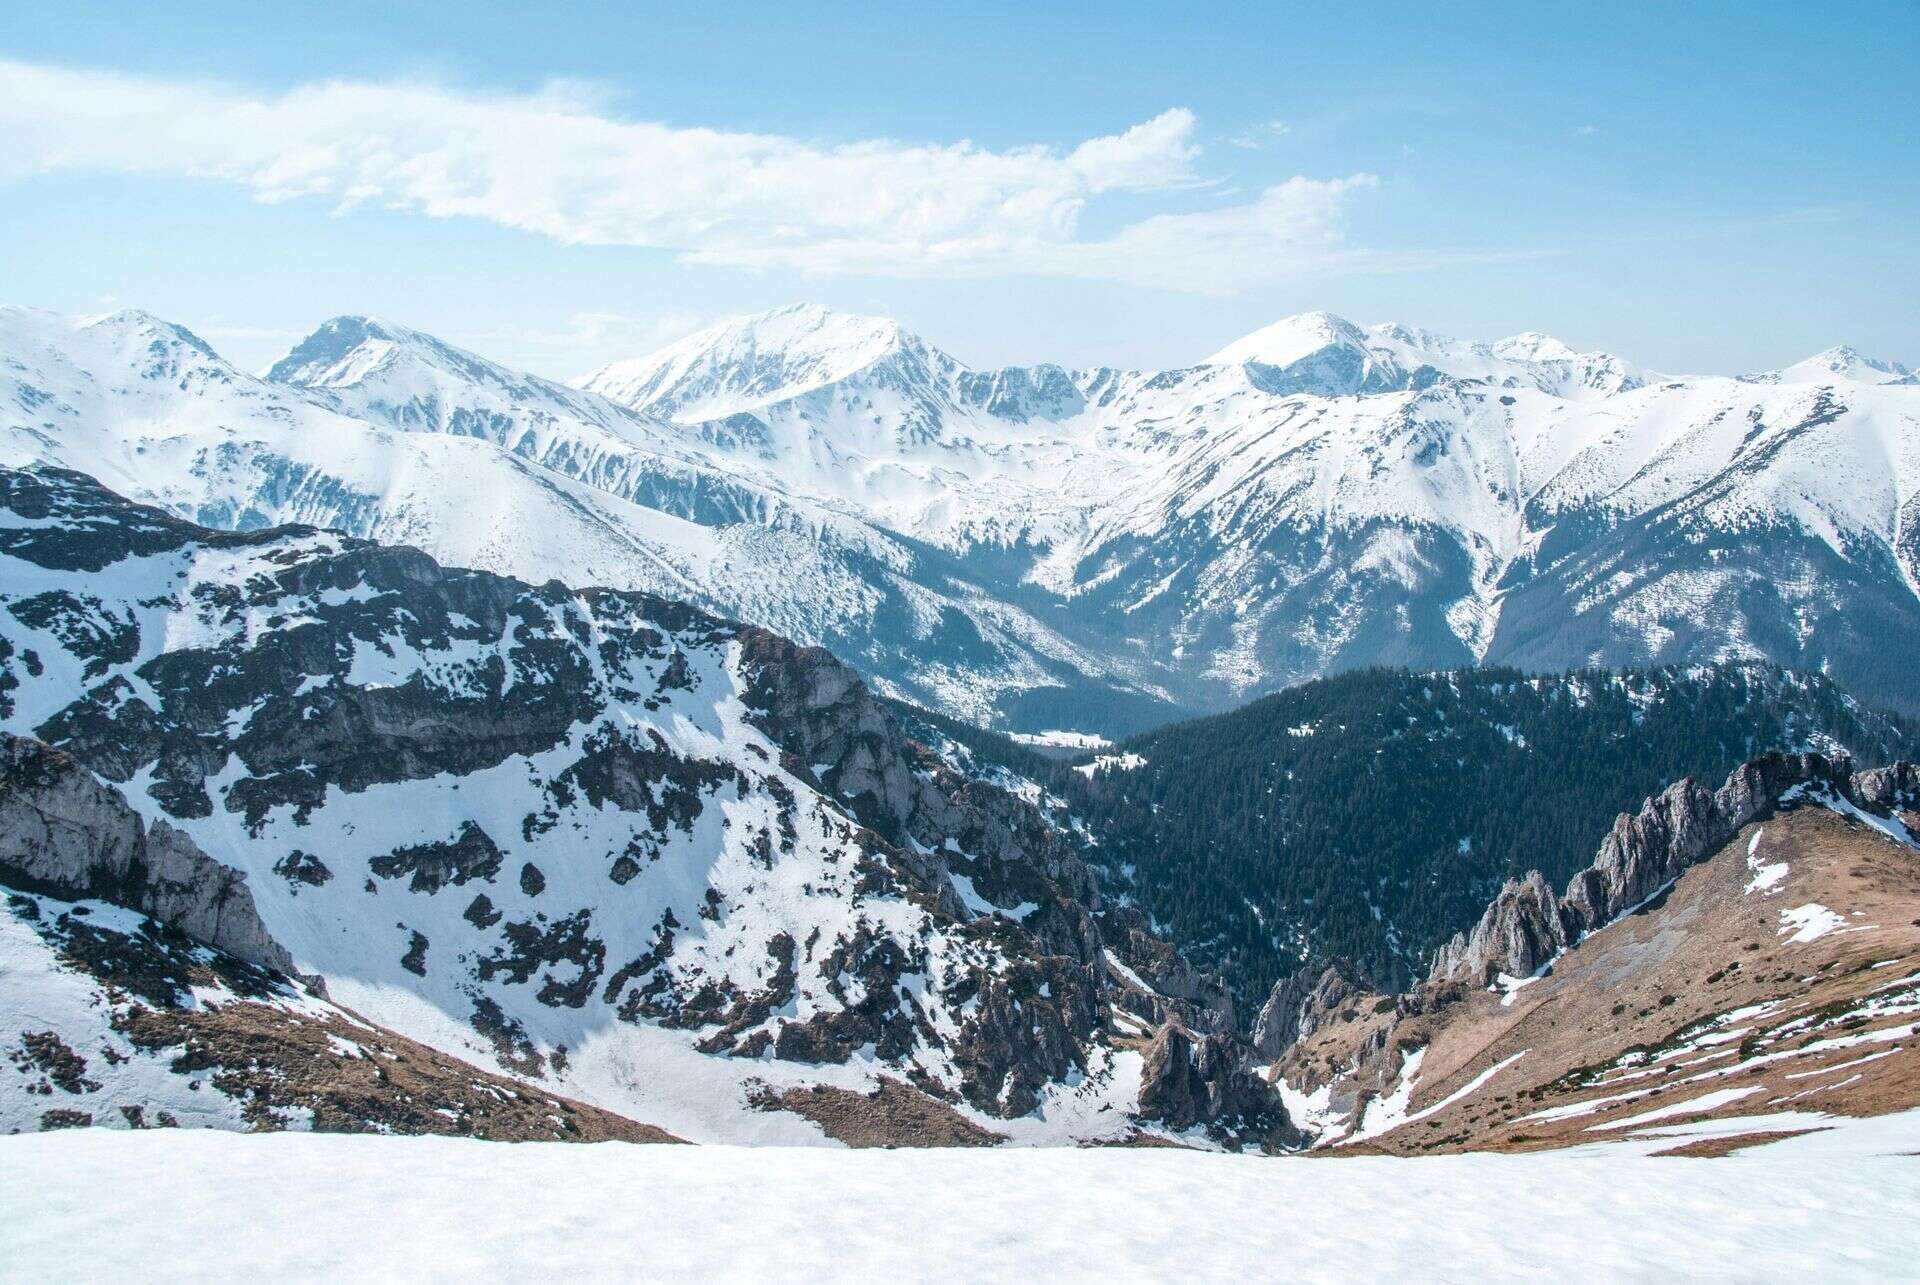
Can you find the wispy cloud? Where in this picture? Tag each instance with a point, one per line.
(559, 163)
(1260, 135)
(1586, 131)
(585, 339)
(595, 330)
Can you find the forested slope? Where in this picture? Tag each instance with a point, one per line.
(1373, 814)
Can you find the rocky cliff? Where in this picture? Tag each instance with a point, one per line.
(62, 832)
(1300, 1003)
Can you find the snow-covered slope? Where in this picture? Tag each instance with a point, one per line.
(391, 435)
(673, 866)
(110, 1019)
(1318, 495)
(1081, 549)
(1832, 1205)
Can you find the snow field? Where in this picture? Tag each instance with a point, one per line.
(92, 1204)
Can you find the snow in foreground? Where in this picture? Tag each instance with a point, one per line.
(101, 1205)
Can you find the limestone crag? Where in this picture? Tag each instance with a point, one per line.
(1299, 1005)
(1527, 924)
(63, 833)
(1190, 1080)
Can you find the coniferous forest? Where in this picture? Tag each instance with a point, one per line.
(1374, 814)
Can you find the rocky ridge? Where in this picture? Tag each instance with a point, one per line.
(1527, 925)
(647, 856)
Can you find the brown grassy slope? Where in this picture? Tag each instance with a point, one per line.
(1701, 993)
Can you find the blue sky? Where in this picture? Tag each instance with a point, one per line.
(1696, 187)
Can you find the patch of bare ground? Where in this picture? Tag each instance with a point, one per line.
(1711, 1148)
(361, 1079)
(892, 1114)
(1707, 995)
(1139, 1139)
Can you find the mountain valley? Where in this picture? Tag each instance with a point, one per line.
(655, 873)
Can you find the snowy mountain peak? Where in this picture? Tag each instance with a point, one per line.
(1291, 339)
(141, 325)
(350, 351)
(1531, 345)
(153, 348)
(141, 334)
(1316, 353)
(389, 365)
(1844, 363)
(756, 360)
(340, 351)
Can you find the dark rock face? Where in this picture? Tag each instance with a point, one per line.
(1300, 1004)
(64, 833)
(468, 855)
(1526, 925)
(1189, 1080)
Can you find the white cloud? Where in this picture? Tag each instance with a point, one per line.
(1586, 131)
(1156, 154)
(1288, 225)
(558, 164)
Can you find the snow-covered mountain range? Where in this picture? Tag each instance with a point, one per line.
(1049, 548)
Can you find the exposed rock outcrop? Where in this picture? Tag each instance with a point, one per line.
(1300, 1003)
(1174, 989)
(1190, 1079)
(63, 833)
(1894, 788)
(1527, 925)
